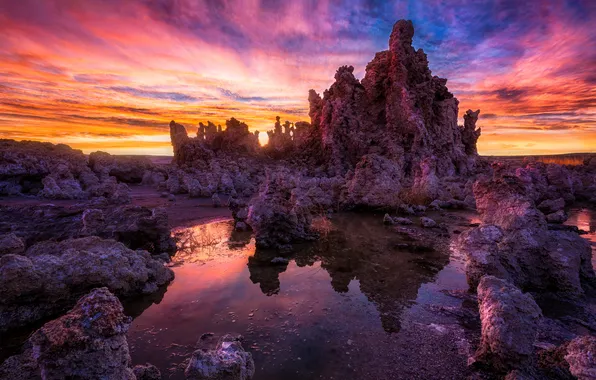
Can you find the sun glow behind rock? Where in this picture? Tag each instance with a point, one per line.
(111, 76)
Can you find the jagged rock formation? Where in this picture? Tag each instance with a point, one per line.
(88, 342)
(51, 275)
(509, 321)
(399, 111)
(235, 139)
(286, 140)
(514, 243)
(228, 361)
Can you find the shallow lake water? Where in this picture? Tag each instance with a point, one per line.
(360, 302)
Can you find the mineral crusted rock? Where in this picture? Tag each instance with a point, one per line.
(88, 342)
(229, 361)
(399, 111)
(469, 133)
(581, 356)
(550, 206)
(514, 243)
(11, 243)
(51, 275)
(509, 321)
(428, 222)
(557, 217)
(137, 227)
(50, 171)
(280, 214)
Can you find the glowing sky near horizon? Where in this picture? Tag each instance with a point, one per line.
(110, 75)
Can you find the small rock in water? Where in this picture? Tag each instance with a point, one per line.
(215, 200)
(428, 222)
(228, 361)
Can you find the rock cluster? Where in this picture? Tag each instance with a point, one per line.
(514, 243)
(52, 275)
(53, 171)
(88, 342)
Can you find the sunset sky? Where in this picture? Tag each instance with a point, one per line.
(110, 75)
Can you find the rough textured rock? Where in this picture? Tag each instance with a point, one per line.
(398, 111)
(128, 169)
(279, 216)
(52, 275)
(581, 356)
(146, 372)
(52, 171)
(229, 361)
(509, 321)
(557, 217)
(88, 342)
(11, 243)
(428, 222)
(514, 243)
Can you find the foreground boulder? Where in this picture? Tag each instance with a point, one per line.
(88, 342)
(51, 275)
(509, 321)
(514, 243)
(228, 361)
(581, 356)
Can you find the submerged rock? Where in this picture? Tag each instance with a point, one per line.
(52, 275)
(509, 321)
(228, 361)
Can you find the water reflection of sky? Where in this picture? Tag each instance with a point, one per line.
(585, 219)
(345, 307)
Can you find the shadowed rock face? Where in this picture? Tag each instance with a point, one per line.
(50, 276)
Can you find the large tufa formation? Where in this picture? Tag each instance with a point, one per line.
(399, 110)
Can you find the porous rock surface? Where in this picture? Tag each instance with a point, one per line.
(88, 342)
(228, 361)
(514, 243)
(52, 275)
(581, 356)
(509, 321)
(53, 171)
